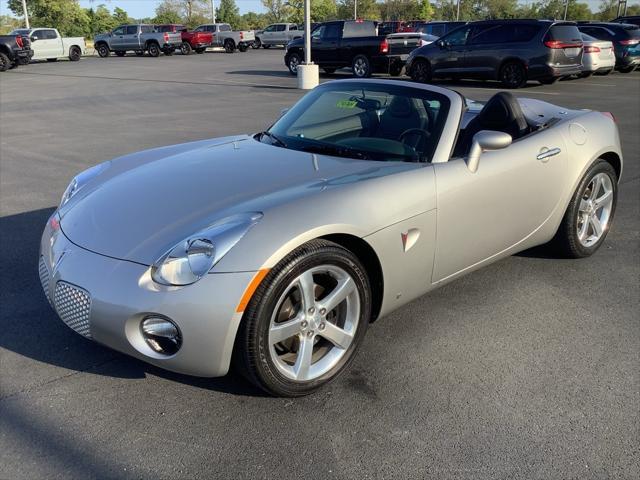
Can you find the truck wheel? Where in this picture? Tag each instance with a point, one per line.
(103, 50)
(229, 46)
(185, 48)
(256, 44)
(626, 69)
(139, 53)
(420, 71)
(243, 48)
(52, 59)
(120, 53)
(4, 62)
(361, 67)
(154, 49)
(293, 62)
(75, 53)
(200, 50)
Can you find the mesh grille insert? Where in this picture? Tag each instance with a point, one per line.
(73, 304)
(43, 271)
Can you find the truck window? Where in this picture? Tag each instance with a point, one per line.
(332, 30)
(149, 29)
(132, 30)
(457, 37)
(359, 29)
(225, 28)
(49, 34)
(281, 28)
(293, 27)
(119, 31)
(270, 28)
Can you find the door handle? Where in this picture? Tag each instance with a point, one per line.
(546, 153)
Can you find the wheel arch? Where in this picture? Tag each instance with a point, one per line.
(510, 59)
(613, 159)
(150, 42)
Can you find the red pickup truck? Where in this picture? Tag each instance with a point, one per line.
(191, 41)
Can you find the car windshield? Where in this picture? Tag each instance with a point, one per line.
(364, 121)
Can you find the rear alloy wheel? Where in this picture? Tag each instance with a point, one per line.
(361, 67)
(103, 50)
(256, 44)
(120, 53)
(74, 54)
(421, 71)
(229, 46)
(513, 75)
(5, 63)
(153, 49)
(590, 212)
(185, 48)
(305, 321)
(293, 62)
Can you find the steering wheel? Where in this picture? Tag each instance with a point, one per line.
(418, 132)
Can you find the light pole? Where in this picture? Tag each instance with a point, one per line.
(458, 11)
(566, 8)
(308, 75)
(355, 9)
(26, 15)
(213, 11)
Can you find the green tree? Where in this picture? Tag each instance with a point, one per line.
(228, 12)
(120, 16)
(366, 9)
(254, 21)
(8, 23)
(426, 10)
(321, 10)
(65, 15)
(100, 20)
(277, 10)
(168, 12)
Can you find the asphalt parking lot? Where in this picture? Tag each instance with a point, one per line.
(529, 368)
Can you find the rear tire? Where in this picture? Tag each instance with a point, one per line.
(421, 71)
(292, 63)
(243, 48)
(229, 46)
(513, 75)
(103, 50)
(74, 54)
(256, 44)
(154, 49)
(590, 210)
(5, 63)
(272, 357)
(200, 51)
(361, 66)
(185, 48)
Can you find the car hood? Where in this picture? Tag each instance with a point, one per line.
(144, 204)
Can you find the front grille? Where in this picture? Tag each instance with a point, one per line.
(44, 277)
(73, 304)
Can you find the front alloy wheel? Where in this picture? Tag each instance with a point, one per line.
(293, 62)
(305, 321)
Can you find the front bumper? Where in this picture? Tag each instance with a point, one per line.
(106, 299)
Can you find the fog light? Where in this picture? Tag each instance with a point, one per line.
(161, 335)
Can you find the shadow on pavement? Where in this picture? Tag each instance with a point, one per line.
(31, 328)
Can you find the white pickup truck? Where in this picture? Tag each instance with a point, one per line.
(48, 44)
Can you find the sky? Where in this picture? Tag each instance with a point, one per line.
(146, 8)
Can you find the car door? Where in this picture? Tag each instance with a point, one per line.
(280, 35)
(511, 195)
(324, 44)
(450, 58)
(117, 37)
(268, 35)
(47, 43)
(130, 40)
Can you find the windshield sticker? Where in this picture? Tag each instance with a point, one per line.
(346, 103)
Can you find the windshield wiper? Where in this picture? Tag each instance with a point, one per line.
(275, 139)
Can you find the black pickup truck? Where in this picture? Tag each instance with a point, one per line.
(14, 50)
(355, 44)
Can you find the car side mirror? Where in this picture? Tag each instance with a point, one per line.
(483, 141)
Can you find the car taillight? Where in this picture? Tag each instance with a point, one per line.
(384, 46)
(589, 49)
(241, 36)
(19, 41)
(166, 37)
(561, 44)
(632, 41)
(610, 115)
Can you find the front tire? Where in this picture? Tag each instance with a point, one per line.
(513, 75)
(242, 48)
(421, 71)
(293, 62)
(5, 63)
(626, 69)
(589, 215)
(256, 44)
(74, 54)
(103, 50)
(361, 66)
(305, 321)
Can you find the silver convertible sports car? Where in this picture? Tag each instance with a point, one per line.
(273, 252)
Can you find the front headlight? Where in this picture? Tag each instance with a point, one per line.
(81, 180)
(192, 258)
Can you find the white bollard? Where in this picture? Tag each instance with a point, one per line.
(308, 76)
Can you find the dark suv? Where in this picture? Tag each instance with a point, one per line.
(625, 38)
(512, 51)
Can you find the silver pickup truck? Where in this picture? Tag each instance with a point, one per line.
(277, 34)
(137, 38)
(223, 36)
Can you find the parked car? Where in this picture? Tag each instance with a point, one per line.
(630, 19)
(355, 44)
(625, 38)
(423, 38)
(14, 50)
(224, 36)
(438, 28)
(411, 26)
(275, 251)
(512, 51)
(48, 44)
(277, 34)
(137, 38)
(389, 27)
(598, 56)
(191, 41)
